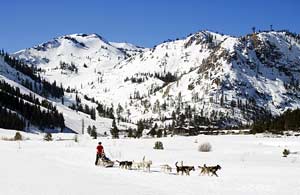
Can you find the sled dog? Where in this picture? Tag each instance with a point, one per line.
(166, 168)
(137, 165)
(125, 164)
(206, 170)
(184, 169)
(146, 164)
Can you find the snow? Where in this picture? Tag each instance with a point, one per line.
(96, 53)
(237, 72)
(73, 119)
(128, 48)
(250, 165)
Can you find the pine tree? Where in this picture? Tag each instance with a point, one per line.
(152, 132)
(222, 99)
(165, 133)
(89, 130)
(140, 129)
(94, 132)
(114, 130)
(93, 114)
(159, 133)
(119, 111)
(130, 132)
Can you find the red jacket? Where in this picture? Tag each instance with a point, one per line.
(100, 149)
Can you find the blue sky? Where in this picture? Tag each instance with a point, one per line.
(142, 22)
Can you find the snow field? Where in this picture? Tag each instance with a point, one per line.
(250, 165)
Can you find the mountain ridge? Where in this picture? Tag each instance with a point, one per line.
(223, 78)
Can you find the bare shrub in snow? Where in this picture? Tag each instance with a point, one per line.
(18, 136)
(205, 147)
(7, 139)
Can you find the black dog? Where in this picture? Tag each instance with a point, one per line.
(125, 164)
(184, 169)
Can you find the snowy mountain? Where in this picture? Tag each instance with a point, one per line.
(205, 78)
(35, 105)
(128, 48)
(72, 58)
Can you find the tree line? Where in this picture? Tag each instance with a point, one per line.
(29, 108)
(10, 120)
(288, 121)
(103, 110)
(141, 77)
(15, 91)
(40, 86)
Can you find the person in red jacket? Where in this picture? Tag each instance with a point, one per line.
(100, 149)
(100, 153)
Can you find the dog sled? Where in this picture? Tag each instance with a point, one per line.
(105, 163)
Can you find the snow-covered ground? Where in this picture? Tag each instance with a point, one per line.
(250, 165)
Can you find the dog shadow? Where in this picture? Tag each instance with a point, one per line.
(154, 171)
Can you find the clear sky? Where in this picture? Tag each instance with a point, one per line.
(142, 22)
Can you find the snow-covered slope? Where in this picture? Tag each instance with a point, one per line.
(73, 119)
(229, 80)
(76, 60)
(128, 48)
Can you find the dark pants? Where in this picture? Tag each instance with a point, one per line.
(97, 158)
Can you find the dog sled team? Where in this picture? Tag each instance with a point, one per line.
(145, 165)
